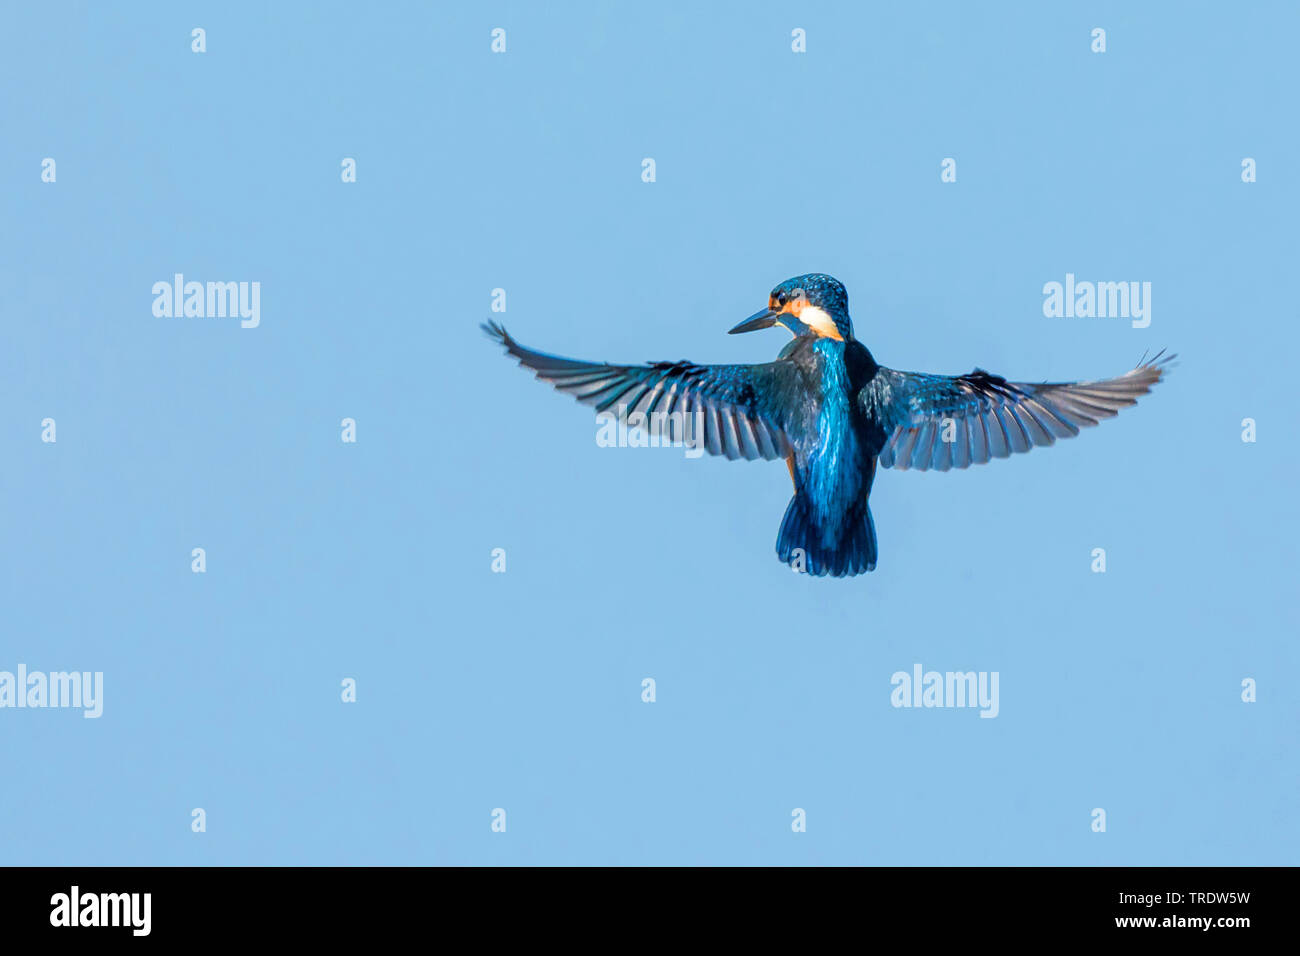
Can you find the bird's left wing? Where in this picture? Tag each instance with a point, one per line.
(726, 401)
(942, 422)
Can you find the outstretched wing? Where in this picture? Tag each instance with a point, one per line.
(733, 403)
(942, 422)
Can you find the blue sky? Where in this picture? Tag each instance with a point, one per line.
(522, 170)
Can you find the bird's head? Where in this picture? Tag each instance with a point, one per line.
(814, 304)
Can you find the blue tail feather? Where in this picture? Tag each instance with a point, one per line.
(801, 543)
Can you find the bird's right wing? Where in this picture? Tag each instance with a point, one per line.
(735, 404)
(942, 422)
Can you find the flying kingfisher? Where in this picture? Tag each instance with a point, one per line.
(834, 414)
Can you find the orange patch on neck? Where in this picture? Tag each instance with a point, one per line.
(816, 319)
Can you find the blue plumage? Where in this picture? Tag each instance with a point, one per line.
(834, 415)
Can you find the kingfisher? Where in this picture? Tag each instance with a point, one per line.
(834, 414)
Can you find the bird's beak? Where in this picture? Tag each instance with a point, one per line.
(759, 320)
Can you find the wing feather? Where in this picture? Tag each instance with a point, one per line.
(741, 417)
(941, 422)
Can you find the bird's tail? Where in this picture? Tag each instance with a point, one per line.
(802, 545)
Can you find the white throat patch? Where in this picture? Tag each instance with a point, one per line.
(820, 322)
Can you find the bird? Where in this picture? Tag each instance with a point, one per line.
(835, 415)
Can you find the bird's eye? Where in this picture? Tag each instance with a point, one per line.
(782, 299)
